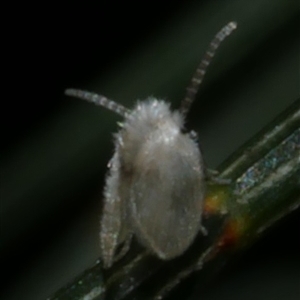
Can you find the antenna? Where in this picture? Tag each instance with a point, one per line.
(198, 76)
(99, 100)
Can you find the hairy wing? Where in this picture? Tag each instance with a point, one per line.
(165, 204)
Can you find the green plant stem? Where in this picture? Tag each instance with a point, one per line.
(264, 187)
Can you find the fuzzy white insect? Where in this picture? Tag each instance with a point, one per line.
(156, 182)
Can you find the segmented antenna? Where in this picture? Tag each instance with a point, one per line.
(197, 78)
(99, 100)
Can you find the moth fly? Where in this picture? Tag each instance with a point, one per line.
(155, 185)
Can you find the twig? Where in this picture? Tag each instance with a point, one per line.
(265, 186)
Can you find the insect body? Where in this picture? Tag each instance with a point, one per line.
(156, 182)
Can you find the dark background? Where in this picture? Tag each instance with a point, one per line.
(55, 149)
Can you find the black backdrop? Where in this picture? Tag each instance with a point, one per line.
(55, 149)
